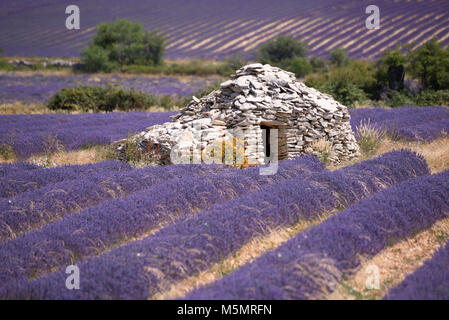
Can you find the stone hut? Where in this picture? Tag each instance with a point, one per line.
(262, 111)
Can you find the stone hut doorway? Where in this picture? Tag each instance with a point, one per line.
(269, 132)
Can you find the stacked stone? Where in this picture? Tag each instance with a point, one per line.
(256, 96)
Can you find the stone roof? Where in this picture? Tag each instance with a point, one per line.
(256, 93)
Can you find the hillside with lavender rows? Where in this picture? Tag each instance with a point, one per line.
(224, 150)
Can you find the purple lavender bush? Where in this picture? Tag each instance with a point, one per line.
(429, 282)
(21, 181)
(38, 207)
(11, 168)
(311, 264)
(195, 243)
(408, 123)
(84, 234)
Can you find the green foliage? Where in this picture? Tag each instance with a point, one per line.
(110, 98)
(281, 50)
(318, 65)
(6, 152)
(346, 93)
(122, 43)
(430, 64)
(339, 57)
(390, 62)
(349, 85)
(300, 67)
(193, 67)
(432, 98)
(231, 64)
(96, 59)
(398, 99)
(1, 50)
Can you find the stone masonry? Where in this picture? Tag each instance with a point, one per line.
(260, 106)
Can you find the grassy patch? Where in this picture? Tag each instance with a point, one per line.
(6, 152)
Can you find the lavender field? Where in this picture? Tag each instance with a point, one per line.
(214, 29)
(136, 232)
(34, 134)
(38, 88)
(31, 134)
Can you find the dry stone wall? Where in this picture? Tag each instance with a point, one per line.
(257, 99)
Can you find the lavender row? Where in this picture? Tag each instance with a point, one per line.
(40, 87)
(311, 264)
(195, 243)
(38, 207)
(22, 181)
(429, 282)
(33, 134)
(426, 132)
(98, 228)
(11, 168)
(411, 123)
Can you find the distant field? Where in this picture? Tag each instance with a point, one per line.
(38, 88)
(214, 29)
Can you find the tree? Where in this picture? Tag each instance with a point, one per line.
(300, 67)
(391, 69)
(339, 57)
(430, 64)
(122, 43)
(281, 50)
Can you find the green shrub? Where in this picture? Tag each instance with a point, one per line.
(349, 85)
(432, 98)
(122, 43)
(391, 70)
(346, 93)
(96, 59)
(231, 64)
(110, 98)
(398, 98)
(318, 65)
(339, 57)
(300, 67)
(281, 50)
(430, 64)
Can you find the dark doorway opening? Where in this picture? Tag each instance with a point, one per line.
(266, 140)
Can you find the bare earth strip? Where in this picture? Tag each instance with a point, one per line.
(393, 264)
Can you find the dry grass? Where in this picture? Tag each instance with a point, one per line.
(61, 158)
(436, 152)
(394, 263)
(19, 107)
(250, 251)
